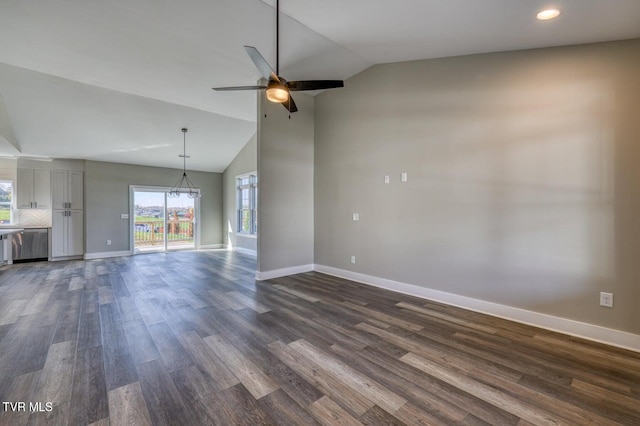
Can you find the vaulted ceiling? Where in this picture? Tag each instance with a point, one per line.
(116, 80)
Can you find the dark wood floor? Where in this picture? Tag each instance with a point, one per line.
(190, 338)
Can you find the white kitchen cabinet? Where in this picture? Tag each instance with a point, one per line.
(67, 237)
(67, 189)
(33, 189)
(67, 233)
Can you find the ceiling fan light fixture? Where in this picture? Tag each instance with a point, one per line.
(545, 15)
(277, 92)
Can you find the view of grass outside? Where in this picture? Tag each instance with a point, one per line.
(5, 215)
(6, 190)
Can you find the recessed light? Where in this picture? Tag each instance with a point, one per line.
(545, 15)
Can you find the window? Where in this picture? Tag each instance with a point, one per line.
(6, 197)
(247, 201)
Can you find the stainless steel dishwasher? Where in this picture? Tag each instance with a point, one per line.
(31, 245)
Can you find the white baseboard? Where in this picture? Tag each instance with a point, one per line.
(246, 251)
(596, 333)
(106, 254)
(211, 246)
(276, 273)
(62, 258)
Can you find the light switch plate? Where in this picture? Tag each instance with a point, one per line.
(124, 216)
(387, 179)
(403, 177)
(356, 216)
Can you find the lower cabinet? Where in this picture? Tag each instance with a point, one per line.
(67, 238)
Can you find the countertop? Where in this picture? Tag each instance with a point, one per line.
(22, 227)
(8, 231)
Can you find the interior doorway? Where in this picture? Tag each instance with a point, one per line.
(160, 222)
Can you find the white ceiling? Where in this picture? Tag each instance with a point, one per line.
(117, 80)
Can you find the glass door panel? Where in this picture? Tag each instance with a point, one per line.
(149, 224)
(180, 222)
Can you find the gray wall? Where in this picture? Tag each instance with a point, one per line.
(107, 196)
(523, 186)
(285, 173)
(246, 161)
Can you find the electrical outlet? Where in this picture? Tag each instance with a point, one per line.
(606, 299)
(124, 216)
(403, 177)
(353, 259)
(108, 242)
(387, 179)
(356, 216)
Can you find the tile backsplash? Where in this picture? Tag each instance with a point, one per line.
(32, 217)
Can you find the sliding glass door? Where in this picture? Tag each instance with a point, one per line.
(180, 222)
(161, 222)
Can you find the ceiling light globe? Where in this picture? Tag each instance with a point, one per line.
(277, 93)
(545, 15)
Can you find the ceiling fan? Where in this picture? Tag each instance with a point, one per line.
(277, 87)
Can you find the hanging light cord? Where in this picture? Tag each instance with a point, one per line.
(184, 151)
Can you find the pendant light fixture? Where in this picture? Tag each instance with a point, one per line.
(184, 184)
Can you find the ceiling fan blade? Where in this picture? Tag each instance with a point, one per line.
(290, 105)
(296, 86)
(223, 89)
(261, 63)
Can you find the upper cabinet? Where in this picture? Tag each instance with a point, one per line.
(67, 189)
(33, 189)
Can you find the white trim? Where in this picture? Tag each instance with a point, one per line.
(596, 333)
(164, 190)
(276, 273)
(211, 246)
(106, 254)
(246, 251)
(246, 235)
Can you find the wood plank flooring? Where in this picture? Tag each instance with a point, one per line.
(190, 338)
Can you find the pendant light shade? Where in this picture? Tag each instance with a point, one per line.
(184, 184)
